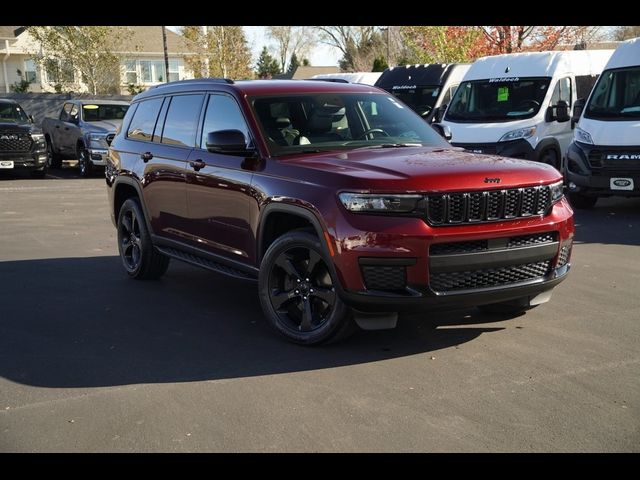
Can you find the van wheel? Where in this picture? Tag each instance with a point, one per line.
(550, 157)
(297, 291)
(582, 202)
(139, 257)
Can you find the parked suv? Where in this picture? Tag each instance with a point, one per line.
(340, 201)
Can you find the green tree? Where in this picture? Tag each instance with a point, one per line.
(379, 64)
(294, 63)
(267, 66)
(221, 51)
(22, 86)
(88, 49)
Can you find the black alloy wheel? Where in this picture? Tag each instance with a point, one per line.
(84, 163)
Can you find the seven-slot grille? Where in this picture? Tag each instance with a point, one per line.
(15, 142)
(487, 206)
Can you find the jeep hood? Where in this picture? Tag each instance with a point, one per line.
(426, 169)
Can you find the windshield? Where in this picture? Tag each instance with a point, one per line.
(616, 96)
(12, 112)
(498, 99)
(420, 99)
(339, 121)
(96, 113)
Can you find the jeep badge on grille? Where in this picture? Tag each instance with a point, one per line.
(491, 180)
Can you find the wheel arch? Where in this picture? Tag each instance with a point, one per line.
(123, 189)
(546, 144)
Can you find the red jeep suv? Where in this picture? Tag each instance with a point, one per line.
(339, 200)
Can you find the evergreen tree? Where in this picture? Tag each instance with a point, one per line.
(267, 66)
(294, 63)
(379, 64)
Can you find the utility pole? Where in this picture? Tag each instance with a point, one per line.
(166, 54)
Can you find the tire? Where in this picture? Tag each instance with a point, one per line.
(550, 157)
(40, 173)
(582, 202)
(54, 160)
(84, 165)
(139, 257)
(297, 293)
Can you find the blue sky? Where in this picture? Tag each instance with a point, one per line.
(321, 55)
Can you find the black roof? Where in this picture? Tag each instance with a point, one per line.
(427, 74)
(7, 100)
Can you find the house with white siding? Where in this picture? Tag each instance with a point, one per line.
(141, 52)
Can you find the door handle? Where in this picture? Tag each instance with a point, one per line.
(146, 156)
(197, 164)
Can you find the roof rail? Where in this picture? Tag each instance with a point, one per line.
(334, 80)
(196, 80)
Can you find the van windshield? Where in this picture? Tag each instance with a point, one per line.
(339, 121)
(420, 99)
(616, 96)
(498, 99)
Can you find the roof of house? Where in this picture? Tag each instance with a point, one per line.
(149, 39)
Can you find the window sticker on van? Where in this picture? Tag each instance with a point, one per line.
(505, 79)
(503, 94)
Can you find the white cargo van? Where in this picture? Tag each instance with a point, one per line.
(366, 78)
(518, 105)
(425, 88)
(604, 157)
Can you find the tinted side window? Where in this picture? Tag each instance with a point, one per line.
(144, 120)
(64, 114)
(223, 113)
(182, 119)
(584, 84)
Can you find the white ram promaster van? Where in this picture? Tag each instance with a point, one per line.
(427, 88)
(366, 78)
(604, 157)
(518, 105)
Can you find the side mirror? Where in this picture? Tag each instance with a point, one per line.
(74, 119)
(562, 111)
(440, 111)
(230, 142)
(31, 119)
(443, 130)
(578, 107)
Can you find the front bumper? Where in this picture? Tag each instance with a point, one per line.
(589, 172)
(403, 250)
(32, 160)
(98, 156)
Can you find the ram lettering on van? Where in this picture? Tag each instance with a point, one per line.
(623, 156)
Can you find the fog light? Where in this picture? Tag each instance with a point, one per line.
(572, 186)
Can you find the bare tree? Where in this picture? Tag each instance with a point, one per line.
(221, 52)
(626, 32)
(359, 45)
(508, 39)
(290, 40)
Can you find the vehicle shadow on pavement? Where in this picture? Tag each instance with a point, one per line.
(613, 220)
(80, 322)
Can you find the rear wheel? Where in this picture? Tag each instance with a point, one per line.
(140, 259)
(582, 201)
(54, 160)
(297, 291)
(40, 173)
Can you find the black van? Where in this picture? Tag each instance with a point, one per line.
(425, 88)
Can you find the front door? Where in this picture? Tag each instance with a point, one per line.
(219, 188)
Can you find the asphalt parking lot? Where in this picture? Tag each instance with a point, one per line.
(91, 361)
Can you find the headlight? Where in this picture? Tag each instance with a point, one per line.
(517, 134)
(37, 137)
(379, 203)
(98, 140)
(583, 136)
(557, 192)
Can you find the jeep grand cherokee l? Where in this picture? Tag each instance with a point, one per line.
(342, 203)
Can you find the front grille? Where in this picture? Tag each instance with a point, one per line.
(475, 246)
(601, 165)
(110, 138)
(12, 142)
(488, 277)
(487, 206)
(387, 277)
(484, 148)
(563, 258)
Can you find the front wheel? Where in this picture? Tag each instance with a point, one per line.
(54, 160)
(84, 164)
(298, 291)
(140, 259)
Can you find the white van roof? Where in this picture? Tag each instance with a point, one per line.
(368, 78)
(626, 55)
(539, 64)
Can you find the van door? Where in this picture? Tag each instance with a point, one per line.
(561, 131)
